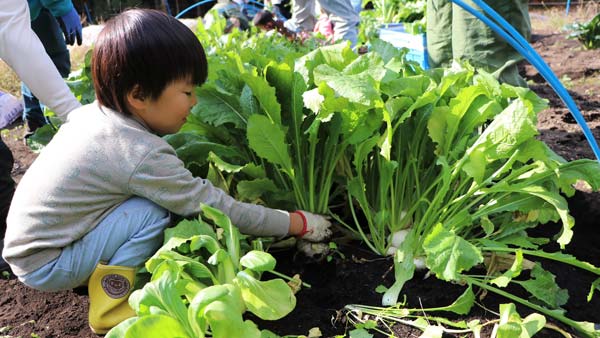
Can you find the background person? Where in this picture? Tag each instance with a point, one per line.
(56, 23)
(344, 18)
(235, 14)
(453, 33)
(266, 21)
(22, 50)
(281, 9)
(324, 25)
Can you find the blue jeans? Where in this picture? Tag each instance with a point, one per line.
(128, 236)
(48, 30)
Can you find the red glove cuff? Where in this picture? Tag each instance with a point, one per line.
(304, 225)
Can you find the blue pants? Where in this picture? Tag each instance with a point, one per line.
(48, 30)
(128, 236)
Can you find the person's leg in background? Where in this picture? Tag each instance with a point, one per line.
(357, 4)
(303, 15)
(474, 41)
(282, 8)
(7, 189)
(344, 18)
(285, 8)
(439, 32)
(516, 12)
(48, 30)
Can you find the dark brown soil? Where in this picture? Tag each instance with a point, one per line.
(354, 279)
(579, 71)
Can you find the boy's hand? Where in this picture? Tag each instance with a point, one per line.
(316, 228)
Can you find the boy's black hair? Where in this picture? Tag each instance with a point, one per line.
(144, 48)
(262, 18)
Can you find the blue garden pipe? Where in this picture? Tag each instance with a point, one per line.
(180, 14)
(568, 6)
(523, 47)
(252, 8)
(549, 75)
(260, 4)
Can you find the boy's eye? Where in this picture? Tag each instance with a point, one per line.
(188, 93)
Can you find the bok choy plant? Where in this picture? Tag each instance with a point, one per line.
(588, 33)
(448, 156)
(202, 283)
(458, 166)
(287, 133)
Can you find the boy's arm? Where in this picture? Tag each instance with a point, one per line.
(163, 179)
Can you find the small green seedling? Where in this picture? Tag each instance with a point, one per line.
(333, 251)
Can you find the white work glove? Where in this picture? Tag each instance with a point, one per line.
(316, 228)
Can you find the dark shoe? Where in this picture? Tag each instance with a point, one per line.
(30, 128)
(3, 265)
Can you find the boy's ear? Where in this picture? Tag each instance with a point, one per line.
(135, 98)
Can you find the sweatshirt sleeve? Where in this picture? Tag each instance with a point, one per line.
(162, 178)
(22, 50)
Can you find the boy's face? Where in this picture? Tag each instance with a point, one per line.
(168, 113)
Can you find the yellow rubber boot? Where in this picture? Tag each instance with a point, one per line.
(109, 288)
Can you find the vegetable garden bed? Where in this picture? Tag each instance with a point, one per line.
(358, 276)
(355, 278)
(353, 273)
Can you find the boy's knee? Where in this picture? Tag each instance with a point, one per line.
(149, 213)
(146, 204)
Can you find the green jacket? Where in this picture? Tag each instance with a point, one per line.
(454, 34)
(56, 7)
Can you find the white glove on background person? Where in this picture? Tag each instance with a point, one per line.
(316, 228)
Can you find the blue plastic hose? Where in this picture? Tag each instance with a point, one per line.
(568, 6)
(253, 7)
(524, 48)
(260, 4)
(256, 4)
(180, 14)
(548, 75)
